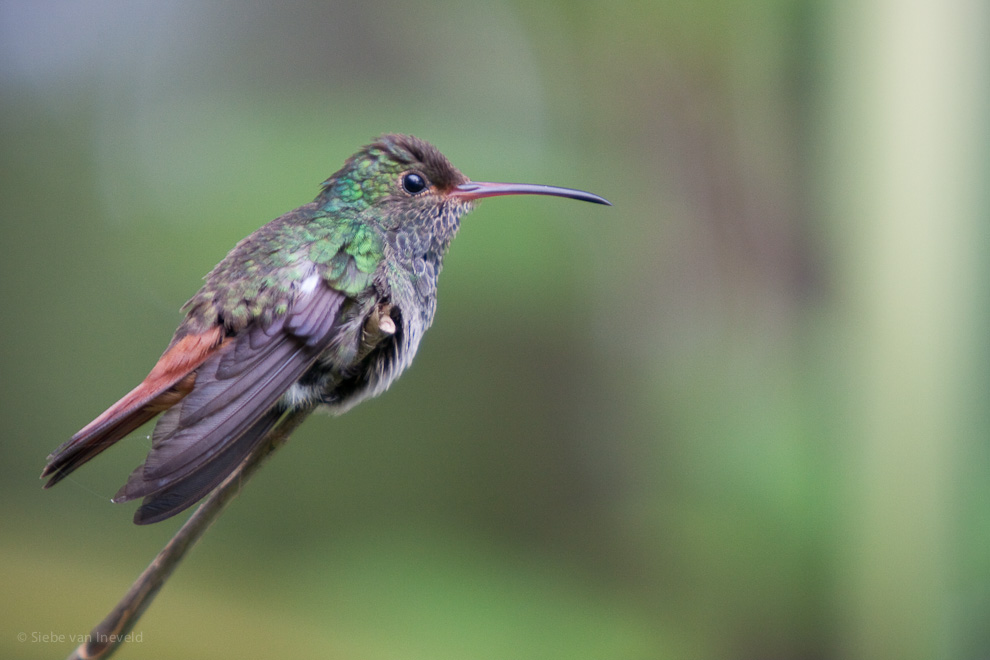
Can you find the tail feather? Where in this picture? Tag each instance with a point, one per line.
(84, 446)
(170, 380)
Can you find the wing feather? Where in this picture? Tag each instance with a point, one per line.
(236, 390)
(183, 494)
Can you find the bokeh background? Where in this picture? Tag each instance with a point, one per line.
(742, 414)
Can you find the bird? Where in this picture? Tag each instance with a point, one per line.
(322, 307)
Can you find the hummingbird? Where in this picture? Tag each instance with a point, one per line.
(322, 307)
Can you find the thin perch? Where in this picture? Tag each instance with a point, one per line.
(107, 636)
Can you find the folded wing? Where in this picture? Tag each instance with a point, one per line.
(202, 438)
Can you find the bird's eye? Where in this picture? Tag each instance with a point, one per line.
(413, 183)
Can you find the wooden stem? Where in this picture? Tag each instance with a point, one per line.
(108, 635)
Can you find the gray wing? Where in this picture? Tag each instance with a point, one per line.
(203, 438)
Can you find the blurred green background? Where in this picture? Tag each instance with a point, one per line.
(742, 414)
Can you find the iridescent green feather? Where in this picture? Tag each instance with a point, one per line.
(341, 234)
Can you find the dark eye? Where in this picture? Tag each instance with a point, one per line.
(413, 183)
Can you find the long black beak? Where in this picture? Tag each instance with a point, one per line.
(478, 189)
